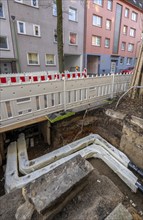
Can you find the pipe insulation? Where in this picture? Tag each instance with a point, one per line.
(91, 146)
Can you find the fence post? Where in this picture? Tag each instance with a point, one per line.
(64, 78)
(112, 90)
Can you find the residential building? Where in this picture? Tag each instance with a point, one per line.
(104, 35)
(112, 34)
(7, 56)
(34, 34)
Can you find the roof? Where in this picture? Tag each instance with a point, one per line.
(136, 3)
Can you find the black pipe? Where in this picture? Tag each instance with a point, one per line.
(140, 186)
(135, 168)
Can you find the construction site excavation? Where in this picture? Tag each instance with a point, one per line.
(87, 166)
(71, 109)
(72, 148)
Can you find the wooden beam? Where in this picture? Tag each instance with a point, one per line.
(23, 124)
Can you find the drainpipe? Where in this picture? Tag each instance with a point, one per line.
(84, 37)
(16, 42)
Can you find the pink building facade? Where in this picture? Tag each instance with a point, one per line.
(113, 30)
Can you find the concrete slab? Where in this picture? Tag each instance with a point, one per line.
(115, 114)
(119, 213)
(9, 203)
(51, 190)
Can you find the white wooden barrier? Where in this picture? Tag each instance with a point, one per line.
(22, 101)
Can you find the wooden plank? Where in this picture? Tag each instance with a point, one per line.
(23, 124)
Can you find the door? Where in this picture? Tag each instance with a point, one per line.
(113, 66)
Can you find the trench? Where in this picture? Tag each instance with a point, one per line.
(74, 128)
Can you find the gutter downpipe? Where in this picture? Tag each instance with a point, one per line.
(12, 20)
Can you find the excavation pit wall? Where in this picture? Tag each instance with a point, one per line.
(123, 131)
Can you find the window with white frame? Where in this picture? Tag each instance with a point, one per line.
(132, 32)
(126, 12)
(50, 59)
(97, 20)
(121, 60)
(34, 3)
(108, 24)
(109, 4)
(134, 16)
(73, 38)
(96, 41)
(20, 1)
(129, 61)
(107, 42)
(55, 36)
(21, 27)
(36, 30)
(125, 29)
(123, 46)
(33, 59)
(54, 8)
(98, 2)
(130, 47)
(1, 11)
(72, 14)
(3, 43)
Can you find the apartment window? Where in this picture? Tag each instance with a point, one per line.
(109, 4)
(36, 30)
(72, 14)
(129, 61)
(126, 12)
(134, 16)
(54, 8)
(125, 28)
(55, 36)
(21, 27)
(130, 47)
(121, 60)
(123, 46)
(107, 42)
(33, 59)
(96, 41)
(20, 1)
(1, 11)
(132, 32)
(3, 43)
(108, 24)
(73, 38)
(97, 21)
(50, 59)
(34, 3)
(98, 2)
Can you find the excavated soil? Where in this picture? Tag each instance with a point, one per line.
(105, 189)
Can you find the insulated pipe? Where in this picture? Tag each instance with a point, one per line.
(26, 166)
(13, 181)
(138, 170)
(139, 186)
